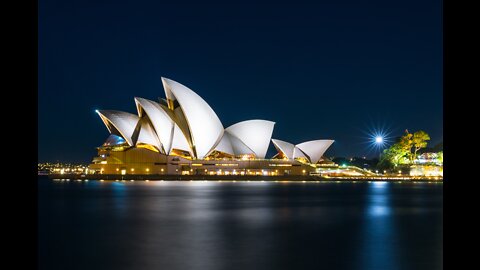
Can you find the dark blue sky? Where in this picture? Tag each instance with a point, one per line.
(333, 70)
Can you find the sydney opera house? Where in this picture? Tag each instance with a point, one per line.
(181, 135)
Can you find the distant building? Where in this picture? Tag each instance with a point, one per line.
(428, 158)
(426, 170)
(427, 164)
(60, 168)
(181, 134)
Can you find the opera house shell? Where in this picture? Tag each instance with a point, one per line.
(182, 134)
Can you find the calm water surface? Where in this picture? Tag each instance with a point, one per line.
(241, 225)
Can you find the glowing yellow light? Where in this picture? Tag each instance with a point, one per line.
(147, 169)
(162, 169)
(132, 169)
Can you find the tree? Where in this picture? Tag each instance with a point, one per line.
(419, 140)
(406, 144)
(440, 157)
(404, 151)
(393, 156)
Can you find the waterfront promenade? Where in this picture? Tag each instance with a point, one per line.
(293, 178)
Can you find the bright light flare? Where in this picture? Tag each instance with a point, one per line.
(377, 137)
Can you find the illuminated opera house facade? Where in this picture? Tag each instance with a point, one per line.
(182, 135)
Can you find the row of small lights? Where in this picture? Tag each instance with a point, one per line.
(191, 170)
(262, 181)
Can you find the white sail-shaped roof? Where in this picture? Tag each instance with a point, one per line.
(315, 149)
(184, 121)
(239, 147)
(285, 148)
(297, 153)
(225, 145)
(168, 91)
(255, 134)
(204, 125)
(123, 122)
(113, 140)
(161, 121)
(179, 141)
(147, 135)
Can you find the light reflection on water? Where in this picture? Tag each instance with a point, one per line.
(378, 249)
(239, 225)
(378, 204)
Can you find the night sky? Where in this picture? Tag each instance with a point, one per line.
(334, 70)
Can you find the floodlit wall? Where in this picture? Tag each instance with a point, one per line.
(144, 161)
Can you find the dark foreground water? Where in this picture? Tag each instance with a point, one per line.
(242, 225)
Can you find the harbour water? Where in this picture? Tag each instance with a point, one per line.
(239, 225)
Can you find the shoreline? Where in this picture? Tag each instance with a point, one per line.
(296, 178)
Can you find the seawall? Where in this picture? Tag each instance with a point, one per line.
(296, 178)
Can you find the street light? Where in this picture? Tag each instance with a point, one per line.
(379, 139)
